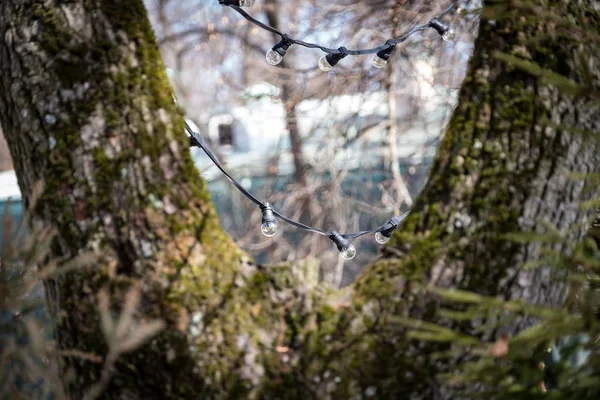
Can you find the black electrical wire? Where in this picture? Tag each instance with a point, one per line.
(341, 52)
(300, 224)
(390, 43)
(197, 141)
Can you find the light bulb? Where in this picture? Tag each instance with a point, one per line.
(273, 57)
(387, 230)
(381, 58)
(449, 35)
(343, 245)
(379, 62)
(381, 238)
(442, 28)
(328, 61)
(247, 3)
(348, 252)
(269, 228)
(324, 64)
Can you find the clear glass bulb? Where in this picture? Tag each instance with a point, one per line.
(449, 35)
(247, 3)
(273, 57)
(324, 64)
(348, 252)
(379, 62)
(269, 228)
(381, 238)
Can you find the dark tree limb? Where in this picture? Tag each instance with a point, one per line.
(86, 108)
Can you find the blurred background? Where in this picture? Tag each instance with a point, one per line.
(343, 150)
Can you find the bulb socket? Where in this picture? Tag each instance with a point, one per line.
(237, 3)
(282, 47)
(267, 213)
(439, 26)
(196, 140)
(391, 226)
(385, 54)
(341, 242)
(335, 58)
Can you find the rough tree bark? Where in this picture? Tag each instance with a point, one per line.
(87, 108)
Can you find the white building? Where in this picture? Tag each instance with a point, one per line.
(248, 137)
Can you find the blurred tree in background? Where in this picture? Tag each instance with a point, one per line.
(487, 289)
(211, 41)
(5, 160)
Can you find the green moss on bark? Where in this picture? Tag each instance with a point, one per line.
(119, 179)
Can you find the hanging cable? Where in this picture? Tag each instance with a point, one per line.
(333, 56)
(327, 62)
(269, 224)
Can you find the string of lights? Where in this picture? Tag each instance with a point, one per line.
(268, 226)
(333, 56)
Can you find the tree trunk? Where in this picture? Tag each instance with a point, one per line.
(87, 109)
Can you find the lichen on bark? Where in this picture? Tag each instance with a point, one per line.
(86, 107)
(89, 111)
